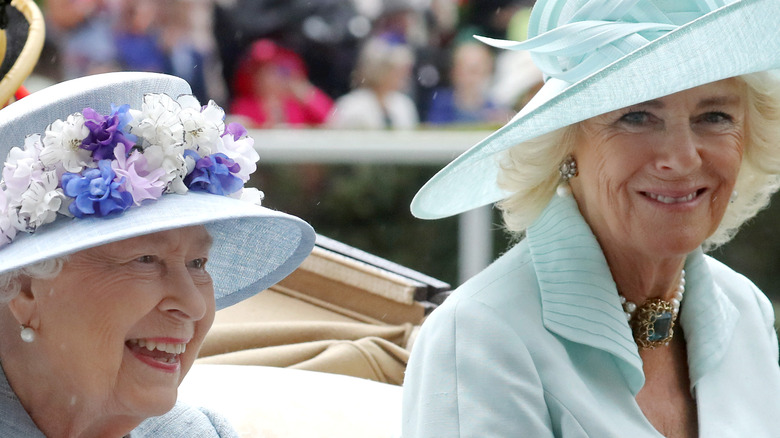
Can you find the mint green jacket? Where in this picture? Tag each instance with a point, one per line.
(537, 345)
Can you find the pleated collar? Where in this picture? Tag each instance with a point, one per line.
(580, 300)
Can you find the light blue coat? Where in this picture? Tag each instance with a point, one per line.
(180, 422)
(537, 345)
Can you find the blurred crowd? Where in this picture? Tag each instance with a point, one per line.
(374, 64)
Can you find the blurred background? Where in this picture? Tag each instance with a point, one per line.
(353, 104)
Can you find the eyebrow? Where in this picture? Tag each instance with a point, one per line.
(727, 100)
(731, 99)
(204, 240)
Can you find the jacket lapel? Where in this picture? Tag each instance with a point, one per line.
(579, 298)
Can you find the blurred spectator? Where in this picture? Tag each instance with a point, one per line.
(271, 89)
(325, 33)
(489, 18)
(467, 100)
(377, 100)
(174, 37)
(187, 39)
(137, 36)
(81, 31)
(427, 27)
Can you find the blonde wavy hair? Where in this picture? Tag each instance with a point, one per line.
(530, 170)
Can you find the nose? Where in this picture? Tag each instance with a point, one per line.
(185, 299)
(678, 152)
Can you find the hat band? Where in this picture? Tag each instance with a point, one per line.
(572, 51)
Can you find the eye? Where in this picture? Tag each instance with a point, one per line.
(636, 118)
(145, 259)
(716, 117)
(197, 263)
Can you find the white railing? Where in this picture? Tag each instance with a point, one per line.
(388, 147)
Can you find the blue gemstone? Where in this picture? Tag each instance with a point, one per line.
(661, 327)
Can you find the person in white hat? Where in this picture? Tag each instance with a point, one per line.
(655, 136)
(124, 226)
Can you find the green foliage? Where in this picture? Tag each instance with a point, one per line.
(366, 206)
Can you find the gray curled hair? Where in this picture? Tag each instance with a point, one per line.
(530, 170)
(11, 283)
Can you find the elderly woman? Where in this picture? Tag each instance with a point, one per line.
(378, 99)
(124, 225)
(607, 319)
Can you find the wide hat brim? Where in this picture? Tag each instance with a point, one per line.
(24, 37)
(737, 39)
(254, 247)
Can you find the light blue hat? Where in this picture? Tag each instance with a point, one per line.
(601, 55)
(254, 247)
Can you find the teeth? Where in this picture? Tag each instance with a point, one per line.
(168, 348)
(669, 199)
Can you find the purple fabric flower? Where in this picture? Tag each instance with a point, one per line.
(106, 132)
(95, 192)
(139, 181)
(236, 130)
(214, 174)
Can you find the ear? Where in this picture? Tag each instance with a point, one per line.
(24, 306)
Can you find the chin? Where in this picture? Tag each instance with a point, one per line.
(152, 402)
(675, 246)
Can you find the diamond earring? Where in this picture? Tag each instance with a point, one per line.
(568, 168)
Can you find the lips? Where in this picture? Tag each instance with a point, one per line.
(157, 351)
(665, 199)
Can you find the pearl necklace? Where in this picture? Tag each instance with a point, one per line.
(653, 322)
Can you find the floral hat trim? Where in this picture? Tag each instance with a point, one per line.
(94, 165)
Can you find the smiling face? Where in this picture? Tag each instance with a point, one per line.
(122, 323)
(655, 178)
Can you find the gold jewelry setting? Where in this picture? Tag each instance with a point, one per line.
(653, 322)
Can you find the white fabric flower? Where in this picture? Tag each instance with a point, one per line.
(203, 126)
(8, 219)
(62, 145)
(158, 123)
(250, 194)
(160, 134)
(243, 152)
(40, 202)
(172, 162)
(22, 167)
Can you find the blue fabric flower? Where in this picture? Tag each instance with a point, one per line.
(95, 192)
(213, 173)
(106, 132)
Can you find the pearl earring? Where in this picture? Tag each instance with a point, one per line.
(27, 334)
(568, 170)
(734, 196)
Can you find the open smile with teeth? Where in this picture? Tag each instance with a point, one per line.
(160, 351)
(673, 200)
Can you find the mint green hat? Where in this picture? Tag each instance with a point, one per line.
(601, 55)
